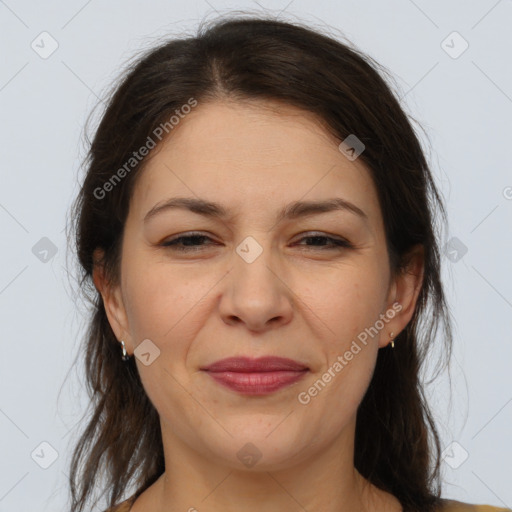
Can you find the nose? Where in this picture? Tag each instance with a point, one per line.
(256, 294)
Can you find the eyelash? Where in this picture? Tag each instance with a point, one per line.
(175, 244)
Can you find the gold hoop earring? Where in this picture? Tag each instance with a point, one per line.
(391, 334)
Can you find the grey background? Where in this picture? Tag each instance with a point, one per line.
(464, 104)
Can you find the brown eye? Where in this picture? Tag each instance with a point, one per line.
(332, 243)
(190, 242)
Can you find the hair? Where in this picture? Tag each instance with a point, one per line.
(397, 446)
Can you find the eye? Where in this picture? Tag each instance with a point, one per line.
(194, 241)
(187, 242)
(332, 243)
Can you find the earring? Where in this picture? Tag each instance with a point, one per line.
(125, 355)
(391, 334)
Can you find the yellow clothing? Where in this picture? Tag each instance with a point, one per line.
(457, 506)
(448, 506)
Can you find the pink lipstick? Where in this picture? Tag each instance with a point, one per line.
(256, 376)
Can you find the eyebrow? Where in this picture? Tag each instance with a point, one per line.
(291, 211)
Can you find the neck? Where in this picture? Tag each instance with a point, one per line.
(328, 482)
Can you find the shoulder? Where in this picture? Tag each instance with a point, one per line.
(446, 506)
(125, 506)
(458, 506)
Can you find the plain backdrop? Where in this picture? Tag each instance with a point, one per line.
(452, 63)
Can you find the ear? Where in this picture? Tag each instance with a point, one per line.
(403, 294)
(112, 300)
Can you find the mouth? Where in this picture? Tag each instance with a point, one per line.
(256, 376)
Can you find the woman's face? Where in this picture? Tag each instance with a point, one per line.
(256, 283)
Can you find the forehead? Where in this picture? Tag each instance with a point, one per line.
(252, 155)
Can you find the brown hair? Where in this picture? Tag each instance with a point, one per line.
(397, 446)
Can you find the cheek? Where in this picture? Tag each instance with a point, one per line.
(163, 298)
(345, 301)
(348, 307)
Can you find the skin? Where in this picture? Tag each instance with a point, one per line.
(297, 299)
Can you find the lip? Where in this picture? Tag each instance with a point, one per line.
(256, 376)
(259, 365)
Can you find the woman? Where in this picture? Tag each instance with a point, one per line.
(258, 222)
